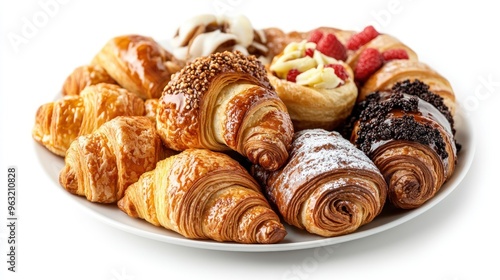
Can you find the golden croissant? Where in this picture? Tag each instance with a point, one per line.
(60, 122)
(84, 76)
(328, 187)
(202, 194)
(225, 102)
(137, 63)
(101, 165)
(408, 132)
(150, 107)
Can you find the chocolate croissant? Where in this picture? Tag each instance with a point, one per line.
(60, 122)
(137, 63)
(403, 69)
(202, 194)
(225, 102)
(101, 165)
(408, 132)
(328, 187)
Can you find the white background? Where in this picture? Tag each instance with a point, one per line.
(457, 239)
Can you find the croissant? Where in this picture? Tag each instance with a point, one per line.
(328, 187)
(137, 63)
(399, 70)
(150, 107)
(101, 165)
(225, 102)
(318, 90)
(60, 122)
(408, 132)
(202, 194)
(84, 76)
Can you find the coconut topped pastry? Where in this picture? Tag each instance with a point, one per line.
(205, 34)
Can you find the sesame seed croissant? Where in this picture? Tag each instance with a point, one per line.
(225, 102)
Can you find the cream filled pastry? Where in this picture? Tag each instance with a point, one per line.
(205, 34)
(315, 84)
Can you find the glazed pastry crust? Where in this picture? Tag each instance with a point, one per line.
(138, 63)
(202, 194)
(101, 165)
(84, 76)
(225, 102)
(60, 122)
(150, 107)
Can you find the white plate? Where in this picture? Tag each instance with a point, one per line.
(296, 239)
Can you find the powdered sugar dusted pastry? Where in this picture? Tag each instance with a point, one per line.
(328, 187)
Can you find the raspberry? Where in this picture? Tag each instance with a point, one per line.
(329, 45)
(339, 71)
(370, 60)
(292, 75)
(315, 36)
(361, 38)
(395, 54)
(309, 52)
